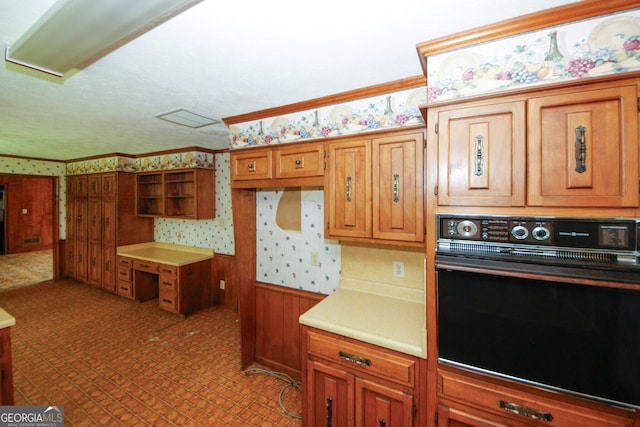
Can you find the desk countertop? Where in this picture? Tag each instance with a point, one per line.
(6, 320)
(166, 253)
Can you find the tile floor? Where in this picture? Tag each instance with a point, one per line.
(111, 361)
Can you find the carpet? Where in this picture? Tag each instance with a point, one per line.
(18, 270)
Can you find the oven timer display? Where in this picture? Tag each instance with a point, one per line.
(613, 236)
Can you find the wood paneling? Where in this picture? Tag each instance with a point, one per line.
(277, 329)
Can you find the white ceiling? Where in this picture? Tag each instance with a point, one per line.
(219, 59)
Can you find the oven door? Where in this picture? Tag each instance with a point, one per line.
(578, 338)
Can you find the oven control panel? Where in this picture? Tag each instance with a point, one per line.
(608, 234)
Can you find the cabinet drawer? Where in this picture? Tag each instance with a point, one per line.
(168, 300)
(363, 358)
(168, 270)
(125, 262)
(124, 273)
(253, 164)
(521, 405)
(147, 266)
(297, 162)
(169, 283)
(125, 289)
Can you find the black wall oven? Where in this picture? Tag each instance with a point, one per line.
(553, 302)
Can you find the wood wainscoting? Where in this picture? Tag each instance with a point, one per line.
(277, 329)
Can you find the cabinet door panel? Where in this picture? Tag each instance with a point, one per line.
(349, 189)
(398, 171)
(583, 149)
(481, 155)
(331, 393)
(94, 221)
(109, 219)
(109, 268)
(380, 406)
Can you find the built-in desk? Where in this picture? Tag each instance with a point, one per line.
(6, 369)
(178, 276)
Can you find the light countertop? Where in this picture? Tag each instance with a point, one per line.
(395, 323)
(166, 253)
(6, 320)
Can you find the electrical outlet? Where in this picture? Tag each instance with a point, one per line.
(398, 269)
(315, 259)
(222, 285)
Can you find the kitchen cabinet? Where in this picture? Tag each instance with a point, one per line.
(104, 217)
(6, 367)
(295, 164)
(481, 151)
(185, 193)
(374, 188)
(352, 383)
(480, 400)
(583, 147)
(574, 147)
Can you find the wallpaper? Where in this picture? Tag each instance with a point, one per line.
(593, 47)
(285, 257)
(40, 167)
(217, 233)
(380, 112)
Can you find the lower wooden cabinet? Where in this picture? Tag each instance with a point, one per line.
(469, 399)
(351, 383)
(6, 368)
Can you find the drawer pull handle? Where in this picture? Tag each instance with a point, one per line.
(525, 411)
(167, 301)
(298, 163)
(329, 411)
(358, 360)
(167, 283)
(166, 270)
(251, 167)
(382, 422)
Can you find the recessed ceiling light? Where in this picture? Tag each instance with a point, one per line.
(187, 118)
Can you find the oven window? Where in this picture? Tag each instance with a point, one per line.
(579, 338)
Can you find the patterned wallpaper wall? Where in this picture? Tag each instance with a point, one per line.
(588, 48)
(44, 168)
(284, 257)
(216, 233)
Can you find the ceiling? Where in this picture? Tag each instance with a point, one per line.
(219, 59)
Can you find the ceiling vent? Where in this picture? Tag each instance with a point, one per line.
(187, 118)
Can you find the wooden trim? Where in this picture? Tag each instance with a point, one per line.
(292, 291)
(139, 156)
(522, 24)
(394, 86)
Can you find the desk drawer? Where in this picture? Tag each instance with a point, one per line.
(125, 289)
(168, 300)
(167, 283)
(124, 273)
(363, 358)
(148, 266)
(125, 262)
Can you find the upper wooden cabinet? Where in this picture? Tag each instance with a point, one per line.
(481, 154)
(184, 193)
(574, 147)
(375, 188)
(296, 164)
(583, 147)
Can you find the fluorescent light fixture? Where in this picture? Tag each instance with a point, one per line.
(187, 118)
(75, 33)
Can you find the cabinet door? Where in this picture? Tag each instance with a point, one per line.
(95, 185)
(398, 187)
(94, 221)
(331, 396)
(381, 406)
(109, 182)
(583, 148)
(109, 218)
(81, 260)
(81, 211)
(348, 189)
(81, 188)
(109, 267)
(94, 265)
(481, 155)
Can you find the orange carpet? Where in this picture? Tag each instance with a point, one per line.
(111, 361)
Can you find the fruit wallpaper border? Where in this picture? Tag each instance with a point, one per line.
(388, 111)
(588, 48)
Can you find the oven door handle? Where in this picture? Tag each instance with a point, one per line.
(525, 411)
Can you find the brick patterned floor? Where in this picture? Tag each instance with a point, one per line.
(111, 361)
